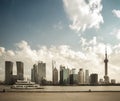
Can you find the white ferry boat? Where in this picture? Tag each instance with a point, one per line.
(22, 84)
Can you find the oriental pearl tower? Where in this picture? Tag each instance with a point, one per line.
(106, 78)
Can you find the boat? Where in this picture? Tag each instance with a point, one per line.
(22, 84)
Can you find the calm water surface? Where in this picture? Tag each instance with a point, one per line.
(82, 88)
(68, 88)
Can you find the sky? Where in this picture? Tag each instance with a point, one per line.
(74, 33)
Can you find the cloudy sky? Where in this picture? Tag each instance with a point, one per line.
(74, 33)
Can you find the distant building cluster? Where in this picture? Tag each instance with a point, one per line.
(66, 76)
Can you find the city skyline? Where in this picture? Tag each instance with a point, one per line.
(73, 33)
(66, 76)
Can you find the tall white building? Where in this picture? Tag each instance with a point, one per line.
(81, 76)
(87, 79)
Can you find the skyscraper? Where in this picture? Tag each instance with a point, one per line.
(41, 72)
(20, 70)
(55, 76)
(81, 76)
(73, 77)
(61, 73)
(34, 74)
(94, 79)
(64, 75)
(54, 73)
(8, 72)
(87, 79)
(106, 78)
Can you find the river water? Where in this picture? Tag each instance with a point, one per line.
(67, 88)
(81, 88)
(67, 96)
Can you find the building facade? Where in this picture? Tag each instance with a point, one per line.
(81, 76)
(73, 79)
(34, 73)
(87, 79)
(41, 72)
(20, 70)
(94, 79)
(8, 72)
(64, 75)
(55, 76)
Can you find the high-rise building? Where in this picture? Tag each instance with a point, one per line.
(20, 70)
(34, 74)
(94, 79)
(61, 73)
(106, 78)
(54, 73)
(81, 76)
(41, 72)
(55, 76)
(87, 79)
(73, 77)
(8, 72)
(64, 75)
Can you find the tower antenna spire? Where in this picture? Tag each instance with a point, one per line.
(106, 52)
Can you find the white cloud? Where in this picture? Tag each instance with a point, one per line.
(2, 50)
(10, 52)
(116, 13)
(84, 14)
(116, 33)
(90, 57)
(25, 50)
